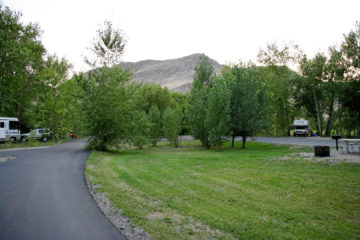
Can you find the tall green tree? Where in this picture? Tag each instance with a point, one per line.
(110, 112)
(310, 88)
(217, 115)
(334, 77)
(198, 99)
(108, 46)
(21, 60)
(172, 124)
(351, 89)
(53, 102)
(279, 77)
(155, 128)
(250, 101)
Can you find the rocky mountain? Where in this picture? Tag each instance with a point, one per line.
(175, 74)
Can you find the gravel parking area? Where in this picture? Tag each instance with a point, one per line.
(335, 156)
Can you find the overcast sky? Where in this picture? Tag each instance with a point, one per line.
(225, 30)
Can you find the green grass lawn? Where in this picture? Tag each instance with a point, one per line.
(193, 193)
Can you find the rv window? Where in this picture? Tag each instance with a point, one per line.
(14, 125)
(2, 125)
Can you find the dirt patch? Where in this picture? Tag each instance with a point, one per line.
(200, 166)
(90, 166)
(156, 215)
(195, 174)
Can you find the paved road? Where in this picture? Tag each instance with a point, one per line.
(43, 195)
(305, 141)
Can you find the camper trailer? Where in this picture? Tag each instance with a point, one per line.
(9, 129)
(302, 127)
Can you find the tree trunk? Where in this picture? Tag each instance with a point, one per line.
(317, 115)
(177, 142)
(233, 141)
(244, 141)
(288, 131)
(329, 125)
(331, 117)
(21, 115)
(358, 128)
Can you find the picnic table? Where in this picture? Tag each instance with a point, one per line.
(351, 146)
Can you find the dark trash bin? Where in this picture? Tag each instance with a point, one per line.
(322, 151)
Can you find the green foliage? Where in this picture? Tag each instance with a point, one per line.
(172, 124)
(108, 46)
(197, 111)
(150, 95)
(110, 103)
(250, 101)
(140, 129)
(54, 99)
(21, 59)
(107, 106)
(198, 99)
(155, 128)
(318, 88)
(279, 79)
(217, 114)
(204, 72)
(351, 88)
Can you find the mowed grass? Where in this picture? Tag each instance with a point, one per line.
(194, 193)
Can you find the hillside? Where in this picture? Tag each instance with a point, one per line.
(175, 74)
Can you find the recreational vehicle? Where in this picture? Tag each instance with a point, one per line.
(9, 129)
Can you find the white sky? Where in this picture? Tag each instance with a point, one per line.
(225, 30)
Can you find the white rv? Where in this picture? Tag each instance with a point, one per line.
(9, 129)
(302, 127)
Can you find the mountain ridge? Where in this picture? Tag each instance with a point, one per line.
(175, 74)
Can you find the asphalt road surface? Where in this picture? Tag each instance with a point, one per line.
(43, 195)
(305, 141)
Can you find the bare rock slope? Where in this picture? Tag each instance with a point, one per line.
(175, 74)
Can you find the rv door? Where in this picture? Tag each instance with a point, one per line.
(2, 131)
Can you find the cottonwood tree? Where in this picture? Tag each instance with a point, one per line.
(250, 101)
(217, 114)
(110, 113)
(198, 100)
(107, 48)
(172, 124)
(21, 60)
(334, 78)
(351, 89)
(155, 127)
(54, 102)
(279, 77)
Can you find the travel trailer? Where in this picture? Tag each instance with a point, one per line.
(302, 127)
(9, 129)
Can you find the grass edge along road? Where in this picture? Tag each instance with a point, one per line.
(253, 193)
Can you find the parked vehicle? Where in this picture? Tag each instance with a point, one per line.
(9, 129)
(42, 134)
(302, 127)
(72, 135)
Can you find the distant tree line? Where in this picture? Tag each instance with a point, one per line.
(113, 111)
(325, 90)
